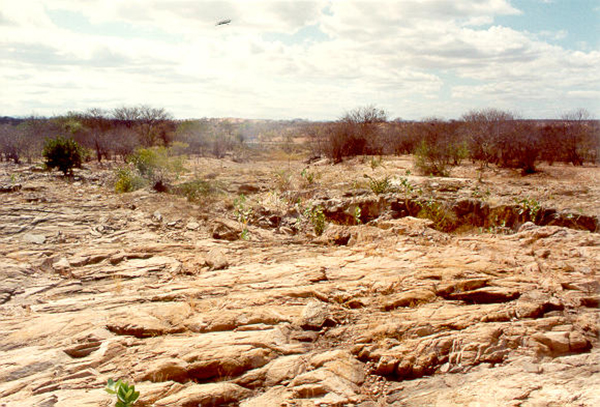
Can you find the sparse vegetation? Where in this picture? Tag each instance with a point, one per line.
(429, 160)
(380, 185)
(158, 165)
(243, 213)
(529, 208)
(443, 218)
(480, 193)
(358, 132)
(308, 177)
(283, 181)
(439, 148)
(316, 217)
(196, 190)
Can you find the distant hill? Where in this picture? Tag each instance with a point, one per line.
(11, 120)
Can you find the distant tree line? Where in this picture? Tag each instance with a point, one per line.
(116, 134)
(489, 137)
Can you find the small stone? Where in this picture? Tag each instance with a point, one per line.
(192, 226)
(35, 239)
(226, 229)
(62, 264)
(286, 230)
(578, 343)
(556, 342)
(10, 188)
(216, 260)
(531, 367)
(315, 316)
(157, 216)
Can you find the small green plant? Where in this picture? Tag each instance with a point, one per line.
(496, 229)
(127, 180)
(63, 153)
(380, 186)
(408, 189)
(529, 207)
(308, 177)
(242, 213)
(458, 152)
(316, 217)
(357, 185)
(126, 394)
(357, 214)
(442, 218)
(406, 186)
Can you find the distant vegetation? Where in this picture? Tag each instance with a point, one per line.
(115, 135)
(488, 137)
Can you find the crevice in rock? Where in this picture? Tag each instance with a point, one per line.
(450, 215)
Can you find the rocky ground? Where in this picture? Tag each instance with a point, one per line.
(392, 310)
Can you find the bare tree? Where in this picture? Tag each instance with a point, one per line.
(579, 140)
(97, 126)
(35, 129)
(485, 130)
(153, 125)
(12, 142)
(357, 132)
(122, 140)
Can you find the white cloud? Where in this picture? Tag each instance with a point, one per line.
(398, 54)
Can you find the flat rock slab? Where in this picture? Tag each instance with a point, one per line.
(135, 286)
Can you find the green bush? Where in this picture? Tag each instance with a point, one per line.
(127, 180)
(430, 160)
(63, 153)
(158, 165)
(316, 217)
(195, 190)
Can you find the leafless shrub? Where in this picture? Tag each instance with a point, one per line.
(579, 137)
(358, 132)
(439, 146)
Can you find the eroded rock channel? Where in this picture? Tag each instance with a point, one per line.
(96, 286)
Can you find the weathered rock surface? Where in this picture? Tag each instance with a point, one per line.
(399, 314)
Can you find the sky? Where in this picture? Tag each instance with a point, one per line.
(314, 60)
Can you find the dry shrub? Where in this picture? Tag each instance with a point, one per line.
(359, 132)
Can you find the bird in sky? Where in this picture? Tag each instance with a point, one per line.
(223, 22)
